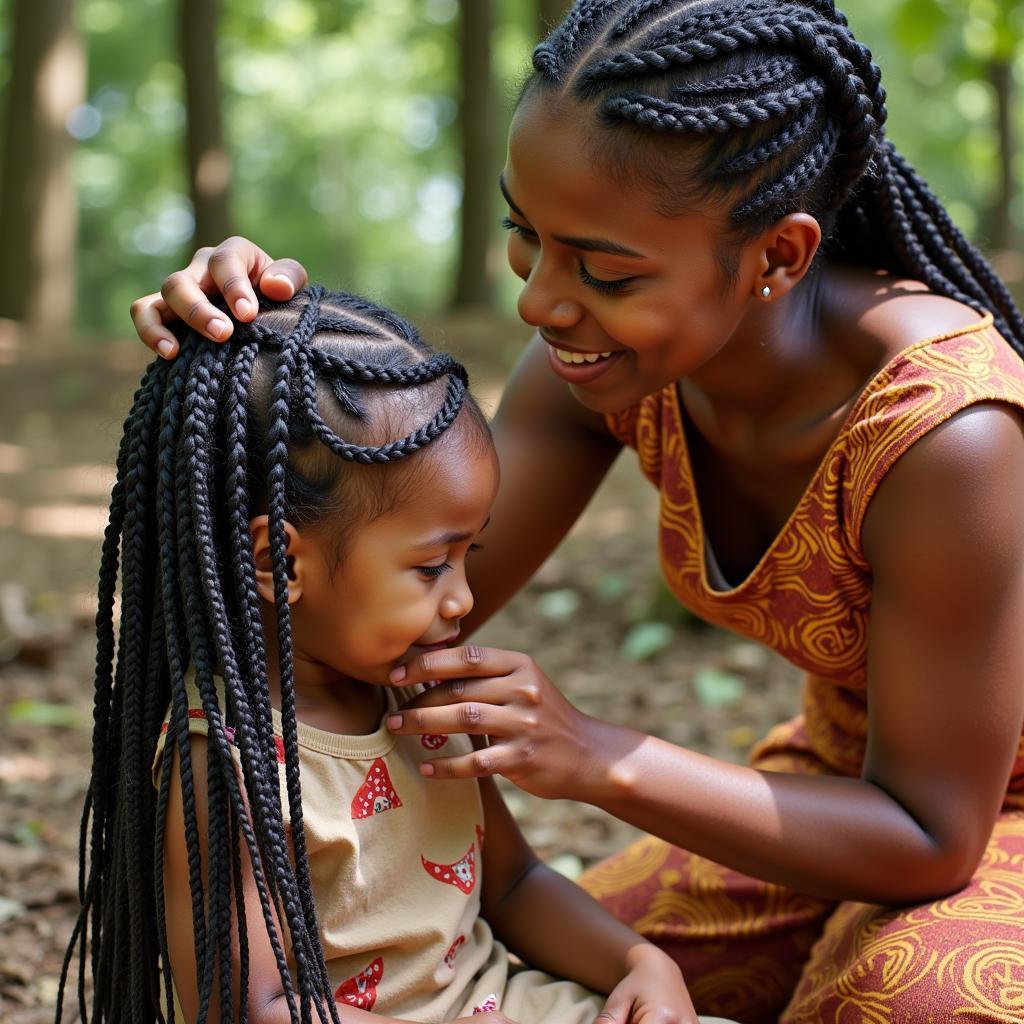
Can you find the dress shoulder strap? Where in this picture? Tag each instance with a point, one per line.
(921, 388)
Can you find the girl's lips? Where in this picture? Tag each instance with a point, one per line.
(580, 373)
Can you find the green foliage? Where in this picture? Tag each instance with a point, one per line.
(340, 116)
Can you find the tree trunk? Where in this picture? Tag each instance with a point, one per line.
(1002, 234)
(473, 285)
(209, 163)
(549, 14)
(38, 208)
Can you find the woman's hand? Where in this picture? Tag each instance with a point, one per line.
(653, 992)
(231, 270)
(538, 740)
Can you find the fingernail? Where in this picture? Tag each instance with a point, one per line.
(243, 307)
(394, 721)
(217, 327)
(165, 347)
(426, 769)
(283, 279)
(397, 674)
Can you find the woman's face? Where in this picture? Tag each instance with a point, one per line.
(628, 300)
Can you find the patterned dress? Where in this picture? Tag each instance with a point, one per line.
(753, 950)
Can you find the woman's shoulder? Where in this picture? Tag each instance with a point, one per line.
(878, 316)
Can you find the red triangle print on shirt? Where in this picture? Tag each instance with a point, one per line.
(453, 949)
(376, 795)
(361, 991)
(461, 874)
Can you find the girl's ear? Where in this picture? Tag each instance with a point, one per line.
(259, 530)
(786, 252)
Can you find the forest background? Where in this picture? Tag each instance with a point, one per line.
(364, 138)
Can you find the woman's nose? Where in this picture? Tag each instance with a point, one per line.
(542, 303)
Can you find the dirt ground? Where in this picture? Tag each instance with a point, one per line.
(596, 618)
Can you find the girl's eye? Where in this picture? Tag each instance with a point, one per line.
(433, 571)
(517, 229)
(599, 284)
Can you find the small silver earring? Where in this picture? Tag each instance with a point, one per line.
(766, 292)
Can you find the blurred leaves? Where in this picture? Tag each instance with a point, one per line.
(559, 605)
(646, 639)
(43, 714)
(716, 689)
(341, 126)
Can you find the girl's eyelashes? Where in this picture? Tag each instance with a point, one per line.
(433, 571)
(517, 229)
(599, 284)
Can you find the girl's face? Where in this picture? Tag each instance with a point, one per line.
(400, 588)
(627, 300)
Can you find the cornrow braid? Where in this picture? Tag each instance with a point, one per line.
(725, 117)
(210, 438)
(787, 113)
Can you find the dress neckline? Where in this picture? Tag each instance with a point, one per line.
(708, 561)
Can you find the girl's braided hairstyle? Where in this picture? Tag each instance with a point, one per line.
(219, 435)
(790, 112)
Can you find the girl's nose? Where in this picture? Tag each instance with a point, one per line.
(457, 603)
(542, 303)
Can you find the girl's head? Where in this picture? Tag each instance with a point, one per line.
(317, 480)
(377, 545)
(703, 150)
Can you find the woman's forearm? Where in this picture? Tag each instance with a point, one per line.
(839, 838)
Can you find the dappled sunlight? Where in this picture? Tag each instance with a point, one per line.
(82, 481)
(65, 521)
(13, 458)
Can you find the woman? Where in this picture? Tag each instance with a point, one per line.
(732, 271)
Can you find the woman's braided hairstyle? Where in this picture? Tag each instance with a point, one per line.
(206, 446)
(790, 111)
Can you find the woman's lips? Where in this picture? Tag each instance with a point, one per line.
(566, 364)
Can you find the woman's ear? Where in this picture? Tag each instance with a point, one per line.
(259, 530)
(786, 252)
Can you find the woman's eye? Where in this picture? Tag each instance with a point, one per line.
(517, 229)
(431, 572)
(599, 284)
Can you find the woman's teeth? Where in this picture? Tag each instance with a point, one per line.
(580, 357)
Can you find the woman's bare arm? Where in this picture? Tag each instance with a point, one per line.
(946, 704)
(553, 454)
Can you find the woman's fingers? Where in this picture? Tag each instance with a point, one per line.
(455, 663)
(232, 270)
(476, 765)
(186, 299)
(149, 314)
(477, 718)
(282, 279)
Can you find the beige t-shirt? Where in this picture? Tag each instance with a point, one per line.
(395, 861)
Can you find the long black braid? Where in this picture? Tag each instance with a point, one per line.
(790, 113)
(219, 435)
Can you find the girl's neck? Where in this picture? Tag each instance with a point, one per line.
(325, 698)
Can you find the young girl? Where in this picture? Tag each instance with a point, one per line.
(292, 516)
(735, 273)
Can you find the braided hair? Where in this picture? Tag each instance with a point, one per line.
(789, 112)
(220, 434)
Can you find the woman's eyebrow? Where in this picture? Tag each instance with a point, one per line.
(586, 244)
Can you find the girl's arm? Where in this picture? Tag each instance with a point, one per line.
(266, 1002)
(552, 924)
(946, 703)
